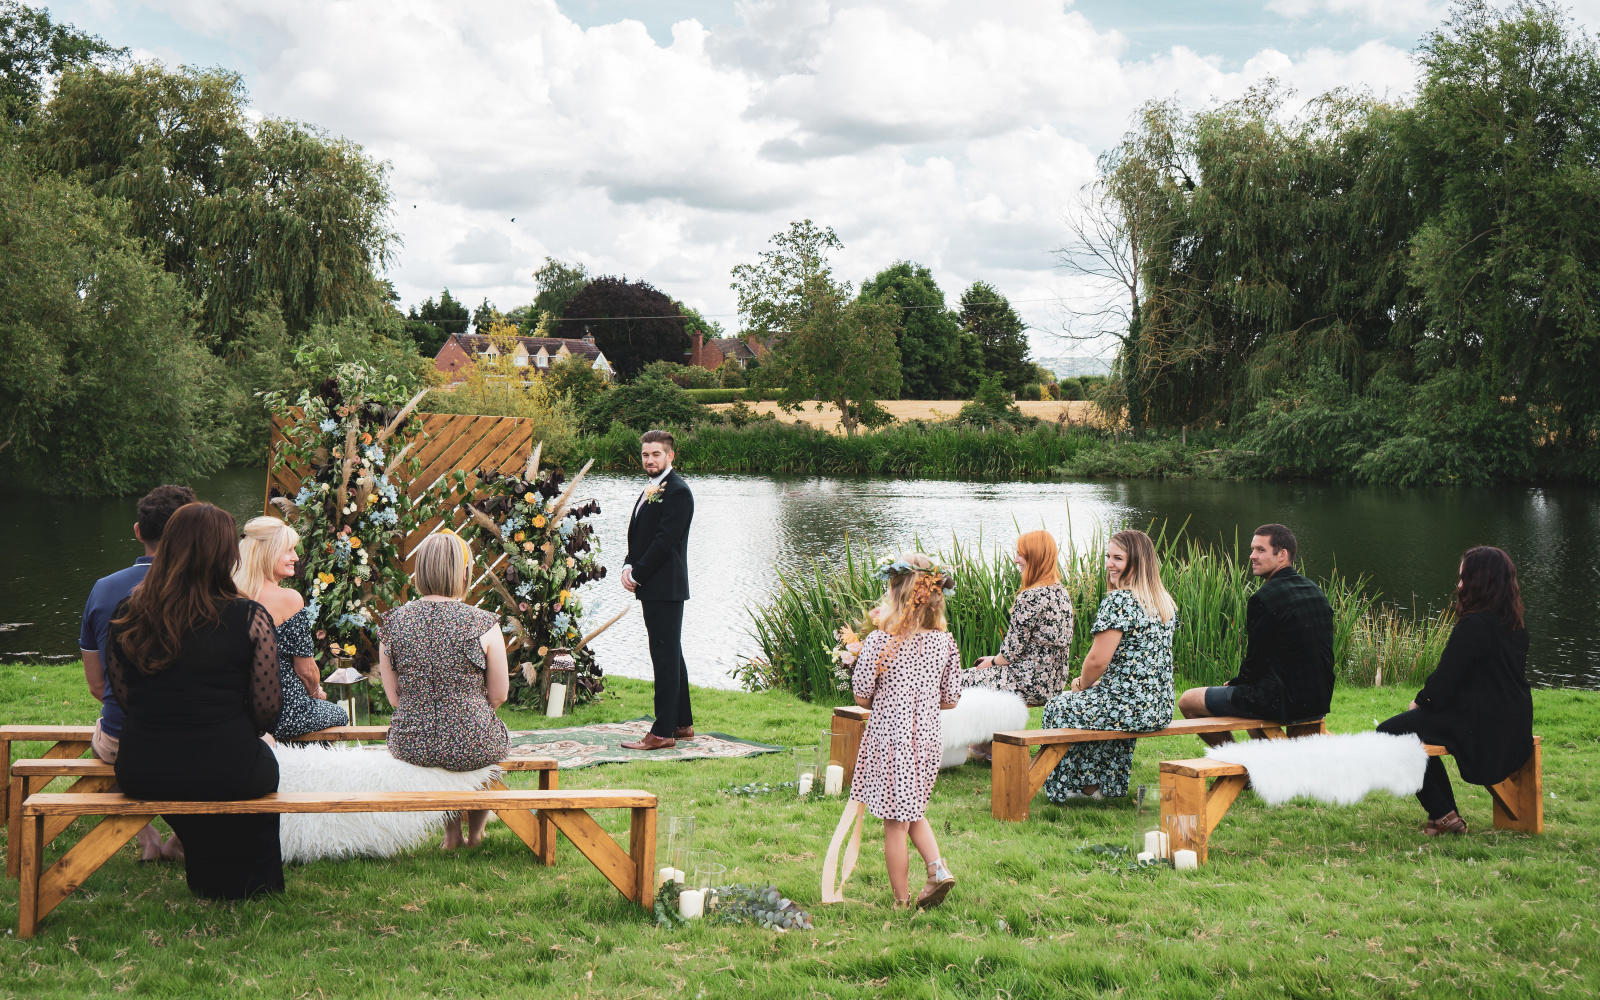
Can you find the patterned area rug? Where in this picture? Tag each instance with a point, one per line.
(585, 746)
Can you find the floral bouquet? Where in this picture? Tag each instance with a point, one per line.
(349, 441)
(845, 653)
(540, 548)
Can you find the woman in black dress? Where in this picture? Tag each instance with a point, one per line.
(196, 668)
(1476, 703)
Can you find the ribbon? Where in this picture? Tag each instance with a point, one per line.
(855, 813)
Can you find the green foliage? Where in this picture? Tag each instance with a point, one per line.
(432, 323)
(557, 282)
(33, 50)
(1001, 334)
(992, 406)
(730, 375)
(938, 357)
(1071, 388)
(1029, 392)
(104, 386)
(575, 378)
(681, 375)
(644, 403)
(632, 323)
(495, 386)
(730, 395)
(828, 346)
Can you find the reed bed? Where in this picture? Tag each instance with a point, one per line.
(1374, 643)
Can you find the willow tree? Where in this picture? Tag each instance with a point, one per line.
(249, 216)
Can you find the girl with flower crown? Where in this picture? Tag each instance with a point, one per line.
(908, 670)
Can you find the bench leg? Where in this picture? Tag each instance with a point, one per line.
(1008, 782)
(28, 898)
(845, 743)
(548, 781)
(56, 883)
(53, 825)
(642, 849)
(1190, 811)
(619, 867)
(61, 750)
(1519, 800)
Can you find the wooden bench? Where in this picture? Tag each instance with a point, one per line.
(1017, 776)
(42, 889)
(68, 742)
(1196, 794)
(93, 775)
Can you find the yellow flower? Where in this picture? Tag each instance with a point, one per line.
(527, 546)
(349, 649)
(565, 594)
(544, 650)
(538, 522)
(528, 497)
(355, 543)
(519, 536)
(325, 578)
(571, 562)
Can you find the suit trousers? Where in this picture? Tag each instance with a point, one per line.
(663, 623)
(1436, 796)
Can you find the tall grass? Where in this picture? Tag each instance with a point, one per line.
(1373, 643)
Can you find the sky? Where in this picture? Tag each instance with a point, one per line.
(668, 140)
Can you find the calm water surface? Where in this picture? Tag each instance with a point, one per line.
(748, 528)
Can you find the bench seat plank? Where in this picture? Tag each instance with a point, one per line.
(1178, 727)
(117, 804)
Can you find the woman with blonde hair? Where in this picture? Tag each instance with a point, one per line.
(443, 664)
(1035, 659)
(908, 670)
(1126, 683)
(266, 559)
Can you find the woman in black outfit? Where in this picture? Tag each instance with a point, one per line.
(196, 667)
(1476, 702)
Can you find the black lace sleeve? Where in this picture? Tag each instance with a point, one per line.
(266, 696)
(112, 660)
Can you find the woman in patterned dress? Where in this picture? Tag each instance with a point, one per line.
(443, 664)
(1126, 683)
(266, 559)
(908, 670)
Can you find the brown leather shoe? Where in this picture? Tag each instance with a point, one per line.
(684, 733)
(1449, 823)
(651, 742)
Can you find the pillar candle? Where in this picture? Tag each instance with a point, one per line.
(1185, 861)
(1157, 844)
(834, 782)
(691, 904)
(805, 784)
(553, 708)
(668, 874)
(1145, 856)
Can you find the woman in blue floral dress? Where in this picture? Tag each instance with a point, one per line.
(1126, 683)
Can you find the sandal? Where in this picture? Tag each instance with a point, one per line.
(939, 882)
(1450, 823)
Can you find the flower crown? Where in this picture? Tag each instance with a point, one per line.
(889, 567)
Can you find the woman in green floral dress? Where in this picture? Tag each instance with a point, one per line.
(1126, 683)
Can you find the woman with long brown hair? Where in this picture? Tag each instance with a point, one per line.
(1476, 703)
(195, 665)
(1034, 661)
(1126, 683)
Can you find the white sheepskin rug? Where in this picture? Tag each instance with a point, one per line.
(309, 837)
(979, 714)
(1335, 768)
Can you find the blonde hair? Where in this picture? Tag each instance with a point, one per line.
(1142, 576)
(1038, 550)
(913, 602)
(441, 562)
(265, 540)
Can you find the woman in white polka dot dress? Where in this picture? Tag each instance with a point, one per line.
(908, 670)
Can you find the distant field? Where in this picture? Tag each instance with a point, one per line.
(825, 416)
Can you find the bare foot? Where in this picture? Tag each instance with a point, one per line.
(172, 850)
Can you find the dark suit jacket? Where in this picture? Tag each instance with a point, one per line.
(658, 543)
(1287, 673)
(1479, 697)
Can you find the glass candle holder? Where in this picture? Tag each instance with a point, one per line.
(830, 769)
(1151, 841)
(805, 770)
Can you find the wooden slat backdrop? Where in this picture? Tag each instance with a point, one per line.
(447, 442)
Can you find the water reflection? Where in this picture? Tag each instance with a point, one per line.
(747, 528)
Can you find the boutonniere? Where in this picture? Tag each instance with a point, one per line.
(652, 493)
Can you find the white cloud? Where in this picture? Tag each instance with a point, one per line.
(1383, 13)
(949, 133)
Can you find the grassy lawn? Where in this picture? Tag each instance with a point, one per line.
(1297, 901)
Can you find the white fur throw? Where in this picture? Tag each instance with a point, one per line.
(310, 836)
(979, 714)
(1336, 768)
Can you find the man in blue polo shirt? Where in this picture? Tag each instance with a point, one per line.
(109, 591)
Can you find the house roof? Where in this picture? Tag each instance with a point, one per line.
(477, 343)
(734, 347)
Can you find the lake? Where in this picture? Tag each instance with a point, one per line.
(748, 528)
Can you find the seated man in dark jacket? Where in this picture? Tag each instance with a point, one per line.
(1287, 673)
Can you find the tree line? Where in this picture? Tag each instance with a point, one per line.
(1394, 291)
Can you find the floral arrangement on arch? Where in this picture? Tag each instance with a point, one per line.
(352, 511)
(549, 549)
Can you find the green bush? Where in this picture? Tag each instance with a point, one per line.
(752, 395)
(646, 402)
(683, 376)
(1070, 388)
(991, 406)
(1029, 392)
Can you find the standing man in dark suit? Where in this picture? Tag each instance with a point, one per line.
(657, 573)
(1287, 673)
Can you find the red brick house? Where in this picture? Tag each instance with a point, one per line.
(461, 350)
(712, 353)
